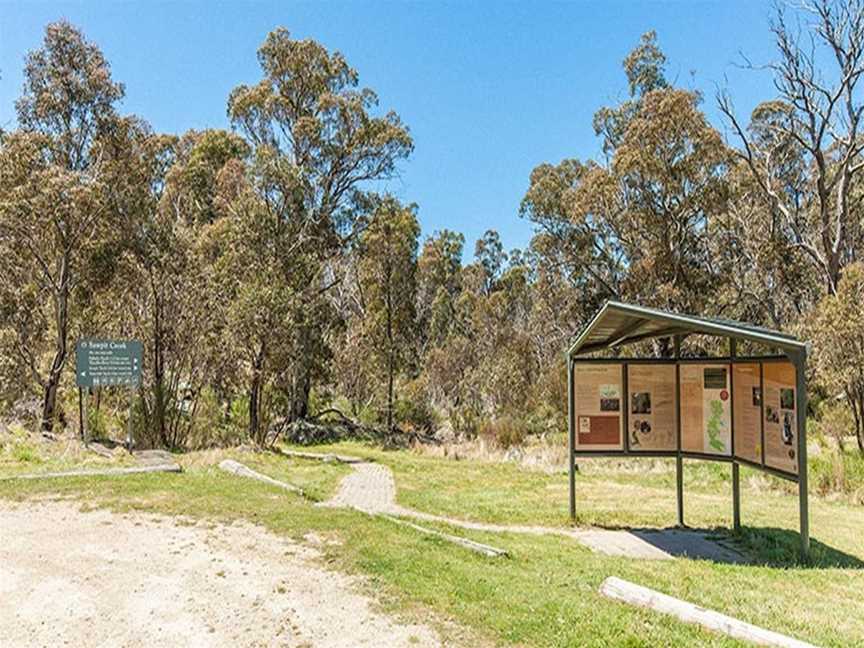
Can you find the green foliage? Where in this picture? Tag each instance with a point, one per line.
(835, 326)
(413, 411)
(24, 452)
(267, 281)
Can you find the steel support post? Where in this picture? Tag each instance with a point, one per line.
(679, 460)
(736, 477)
(801, 407)
(571, 436)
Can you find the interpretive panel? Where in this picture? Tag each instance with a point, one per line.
(597, 392)
(706, 417)
(652, 421)
(747, 411)
(781, 424)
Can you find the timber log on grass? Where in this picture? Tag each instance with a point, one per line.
(106, 472)
(236, 468)
(627, 592)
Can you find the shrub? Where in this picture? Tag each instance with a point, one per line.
(25, 453)
(505, 432)
(413, 409)
(466, 421)
(214, 426)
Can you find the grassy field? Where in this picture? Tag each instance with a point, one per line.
(545, 593)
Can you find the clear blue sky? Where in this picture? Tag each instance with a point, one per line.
(489, 90)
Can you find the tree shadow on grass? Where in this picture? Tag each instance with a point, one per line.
(765, 546)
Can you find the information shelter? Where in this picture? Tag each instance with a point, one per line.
(747, 410)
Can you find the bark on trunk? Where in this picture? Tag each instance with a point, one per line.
(390, 351)
(61, 318)
(159, 401)
(300, 397)
(255, 397)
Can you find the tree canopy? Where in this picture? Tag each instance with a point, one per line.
(274, 276)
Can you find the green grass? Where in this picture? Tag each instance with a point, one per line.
(317, 479)
(545, 593)
(22, 453)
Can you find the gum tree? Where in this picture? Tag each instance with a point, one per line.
(813, 125)
(52, 212)
(317, 144)
(388, 280)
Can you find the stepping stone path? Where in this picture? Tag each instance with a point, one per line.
(370, 488)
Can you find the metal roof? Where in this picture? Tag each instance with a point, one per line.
(617, 324)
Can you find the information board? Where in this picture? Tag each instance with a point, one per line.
(598, 413)
(781, 427)
(741, 409)
(108, 363)
(706, 413)
(652, 420)
(747, 411)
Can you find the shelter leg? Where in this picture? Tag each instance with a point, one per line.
(571, 438)
(736, 496)
(801, 405)
(679, 478)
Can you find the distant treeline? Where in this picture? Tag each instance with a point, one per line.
(269, 283)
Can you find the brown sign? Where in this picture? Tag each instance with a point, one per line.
(753, 402)
(598, 413)
(781, 425)
(747, 405)
(651, 423)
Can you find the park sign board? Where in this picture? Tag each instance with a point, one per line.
(101, 363)
(744, 410)
(737, 409)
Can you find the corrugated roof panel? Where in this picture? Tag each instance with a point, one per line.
(618, 323)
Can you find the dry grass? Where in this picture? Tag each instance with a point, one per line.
(543, 454)
(24, 452)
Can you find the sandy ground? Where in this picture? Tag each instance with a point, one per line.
(103, 579)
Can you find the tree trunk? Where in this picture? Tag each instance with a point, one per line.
(390, 394)
(61, 317)
(300, 397)
(858, 409)
(159, 401)
(255, 397)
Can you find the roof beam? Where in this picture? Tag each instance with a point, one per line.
(664, 332)
(621, 334)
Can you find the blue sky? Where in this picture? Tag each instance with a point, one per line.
(489, 90)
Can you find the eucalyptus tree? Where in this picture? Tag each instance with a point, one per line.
(52, 212)
(388, 279)
(804, 148)
(836, 327)
(638, 225)
(439, 270)
(317, 144)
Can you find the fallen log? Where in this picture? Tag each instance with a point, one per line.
(236, 468)
(479, 547)
(627, 592)
(104, 472)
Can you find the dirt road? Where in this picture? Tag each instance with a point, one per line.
(103, 579)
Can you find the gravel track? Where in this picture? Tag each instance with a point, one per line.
(98, 578)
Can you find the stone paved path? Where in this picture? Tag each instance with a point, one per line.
(370, 488)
